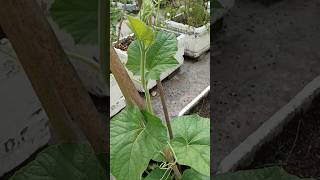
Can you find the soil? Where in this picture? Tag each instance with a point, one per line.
(183, 20)
(123, 44)
(297, 147)
(203, 108)
(261, 58)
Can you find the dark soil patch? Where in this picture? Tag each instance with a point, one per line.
(217, 27)
(203, 108)
(297, 147)
(262, 57)
(123, 44)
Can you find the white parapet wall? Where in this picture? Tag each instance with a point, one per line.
(24, 125)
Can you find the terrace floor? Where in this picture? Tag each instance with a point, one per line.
(184, 85)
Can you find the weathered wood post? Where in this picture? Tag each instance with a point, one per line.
(52, 76)
(125, 83)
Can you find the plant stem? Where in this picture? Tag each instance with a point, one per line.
(148, 98)
(165, 109)
(158, 13)
(169, 157)
(143, 80)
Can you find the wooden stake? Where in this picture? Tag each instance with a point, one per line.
(121, 75)
(165, 109)
(53, 77)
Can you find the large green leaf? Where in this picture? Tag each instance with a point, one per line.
(135, 138)
(141, 31)
(159, 58)
(157, 174)
(65, 161)
(191, 174)
(191, 142)
(77, 17)
(272, 173)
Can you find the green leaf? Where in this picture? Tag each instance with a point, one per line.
(135, 138)
(191, 142)
(159, 58)
(191, 174)
(65, 161)
(141, 31)
(272, 173)
(146, 10)
(77, 17)
(157, 174)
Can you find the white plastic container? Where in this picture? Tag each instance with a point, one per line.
(197, 40)
(123, 55)
(117, 100)
(128, 7)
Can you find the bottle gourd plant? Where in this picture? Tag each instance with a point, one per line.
(138, 137)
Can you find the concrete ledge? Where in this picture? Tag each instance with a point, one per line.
(244, 153)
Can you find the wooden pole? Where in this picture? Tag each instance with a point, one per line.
(125, 84)
(53, 77)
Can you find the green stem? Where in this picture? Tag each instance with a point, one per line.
(144, 82)
(158, 13)
(148, 99)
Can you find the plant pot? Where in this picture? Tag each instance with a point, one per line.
(128, 7)
(24, 124)
(123, 55)
(197, 40)
(117, 100)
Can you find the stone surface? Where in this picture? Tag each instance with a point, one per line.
(184, 85)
